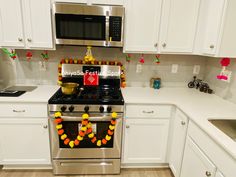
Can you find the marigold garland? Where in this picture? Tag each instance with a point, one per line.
(86, 129)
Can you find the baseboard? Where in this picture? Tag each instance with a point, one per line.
(145, 165)
(27, 167)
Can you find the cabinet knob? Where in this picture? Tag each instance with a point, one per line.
(29, 40)
(212, 46)
(45, 126)
(183, 123)
(20, 39)
(156, 44)
(127, 126)
(164, 45)
(208, 173)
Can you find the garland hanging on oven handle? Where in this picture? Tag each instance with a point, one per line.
(86, 129)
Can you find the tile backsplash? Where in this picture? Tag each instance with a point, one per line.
(21, 71)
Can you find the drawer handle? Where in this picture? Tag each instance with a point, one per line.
(18, 111)
(183, 123)
(45, 126)
(208, 173)
(127, 126)
(148, 112)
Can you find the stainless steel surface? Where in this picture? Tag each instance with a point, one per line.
(226, 126)
(22, 88)
(80, 108)
(88, 166)
(80, 9)
(69, 70)
(85, 153)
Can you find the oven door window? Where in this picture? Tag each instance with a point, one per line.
(81, 27)
(100, 128)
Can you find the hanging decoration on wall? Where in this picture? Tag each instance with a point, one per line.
(86, 129)
(89, 56)
(142, 60)
(224, 74)
(128, 58)
(157, 59)
(29, 55)
(45, 55)
(11, 54)
(78, 61)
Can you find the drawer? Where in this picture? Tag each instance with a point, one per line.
(23, 110)
(150, 111)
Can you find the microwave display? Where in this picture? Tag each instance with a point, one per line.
(83, 27)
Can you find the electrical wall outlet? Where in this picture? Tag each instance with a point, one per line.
(139, 68)
(42, 66)
(228, 74)
(174, 68)
(196, 69)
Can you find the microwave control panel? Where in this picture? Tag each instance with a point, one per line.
(115, 28)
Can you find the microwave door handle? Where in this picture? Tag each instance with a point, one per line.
(107, 28)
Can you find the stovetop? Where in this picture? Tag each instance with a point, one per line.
(90, 95)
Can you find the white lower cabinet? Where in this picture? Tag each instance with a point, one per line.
(195, 162)
(180, 125)
(24, 141)
(145, 140)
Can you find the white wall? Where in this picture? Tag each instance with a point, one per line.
(29, 72)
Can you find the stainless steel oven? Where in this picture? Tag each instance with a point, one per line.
(77, 24)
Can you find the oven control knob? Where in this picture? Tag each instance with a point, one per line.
(109, 109)
(86, 108)
(71, 108)
(101, 109)
(63, 108)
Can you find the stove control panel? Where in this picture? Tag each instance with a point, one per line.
(63, 108)
(86, 109)
(101, 109)
(71, 108)
(109, 109)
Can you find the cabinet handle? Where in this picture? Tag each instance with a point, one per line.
(156, 45)
(164, 45)
(148, 112)
(208, 173)
(127, 126)
(183, 123)
(20, 39)
(18, 111)
(45, 126)
(212, 46)
(29, 40)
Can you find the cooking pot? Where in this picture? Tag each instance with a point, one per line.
(69, 88)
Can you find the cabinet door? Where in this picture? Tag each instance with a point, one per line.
(74, 1)
(38, 26)
(24, 141)
(142, 21)
(180, 125)
(108, 2)
(212, 24)
(145, 140)
(11, 24)
(219, 174)
(195, 162)
(179, 23)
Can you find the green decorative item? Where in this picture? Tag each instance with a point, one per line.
(45, 55)
(128, 57)
(157, 59)
(11, 54)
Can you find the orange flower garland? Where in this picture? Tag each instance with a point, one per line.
(77, 61)
(86, 129)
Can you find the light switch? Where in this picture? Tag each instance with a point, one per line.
(196, 69)
(174, 68)
(139, 68)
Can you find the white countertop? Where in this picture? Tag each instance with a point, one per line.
(40, 95)
(199, 107)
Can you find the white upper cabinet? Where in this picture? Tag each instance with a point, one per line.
(142, 21)
(103, 2)
(26, 24)
(219, 174)
(38, 27)
(11, 24)
(178, 27)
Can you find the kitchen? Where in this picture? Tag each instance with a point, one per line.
(168, 130)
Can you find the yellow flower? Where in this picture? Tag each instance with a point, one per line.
(71, 144)
(75, 61)
(83, 128)
(66, 60)
(80, 138)
(91, 135)
(57, 114)
(99, 143)
(63, 137)
(108, 138)
(85, 116)
(111, 127)
(114, 115)
(59, 126)
(89, 125)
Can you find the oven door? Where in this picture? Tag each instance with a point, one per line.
(86, 148)
(77, 24)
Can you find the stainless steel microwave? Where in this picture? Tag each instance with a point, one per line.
(77, 24)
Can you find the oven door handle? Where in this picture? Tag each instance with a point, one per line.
(93, 118)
